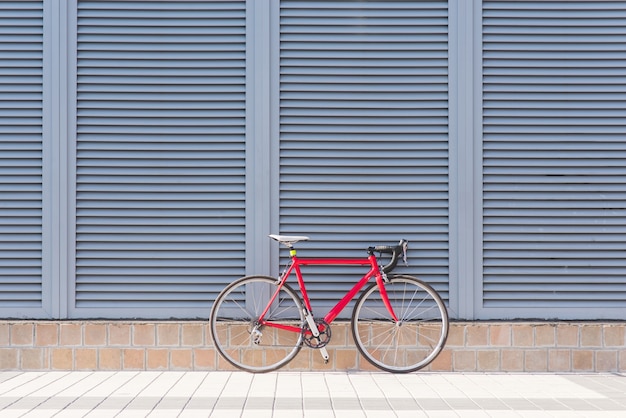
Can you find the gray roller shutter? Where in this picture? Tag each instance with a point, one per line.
(160, 155)
(554, 158)
(21, 143)
(364, 133)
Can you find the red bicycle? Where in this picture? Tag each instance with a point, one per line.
(399, 323)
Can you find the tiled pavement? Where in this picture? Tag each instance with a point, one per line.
(309, 394)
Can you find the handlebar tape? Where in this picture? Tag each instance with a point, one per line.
(395, 252)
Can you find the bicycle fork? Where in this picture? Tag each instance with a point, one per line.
(316, 333)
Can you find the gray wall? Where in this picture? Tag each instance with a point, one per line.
(149, 147)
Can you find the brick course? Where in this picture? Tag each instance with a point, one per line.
(186, 345)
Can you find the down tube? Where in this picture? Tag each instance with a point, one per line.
(336, 310)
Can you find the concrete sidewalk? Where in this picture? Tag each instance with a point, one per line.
(309, 394)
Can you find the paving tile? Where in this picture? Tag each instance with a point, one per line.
(346, 404)
(577, 404)
(433, 404)
(317, 403)
(307, 394)
(403, 404)
(491, 404)
(462, 404)
(281, 403)
(201, 403)
(520, 404)
(375, 404)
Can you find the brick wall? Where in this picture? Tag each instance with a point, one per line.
(174, 345)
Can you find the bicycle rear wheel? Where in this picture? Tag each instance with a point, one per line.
(410, 343)
(238, 336)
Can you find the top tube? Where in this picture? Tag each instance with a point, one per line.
(333, 261)
(395, 251)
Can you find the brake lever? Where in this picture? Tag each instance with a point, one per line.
(405, 246)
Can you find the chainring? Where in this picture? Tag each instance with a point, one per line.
(320, 341)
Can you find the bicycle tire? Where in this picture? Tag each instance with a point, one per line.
(238, 338)
(406, 345)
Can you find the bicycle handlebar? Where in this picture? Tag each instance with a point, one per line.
(395, 252)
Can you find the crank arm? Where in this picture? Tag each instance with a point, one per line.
(324, 354)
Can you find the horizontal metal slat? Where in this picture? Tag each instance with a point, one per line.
(363, 84)
(552, 159)
(161, 152)
(21, 143)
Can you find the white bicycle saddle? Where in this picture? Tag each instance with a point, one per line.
(289, 240)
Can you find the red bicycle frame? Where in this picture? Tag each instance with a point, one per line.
(295, 264)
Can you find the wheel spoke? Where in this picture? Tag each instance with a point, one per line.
(411, 343)
(235, 316)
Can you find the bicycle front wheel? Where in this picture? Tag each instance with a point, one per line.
(409, 343)
(239, 337)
